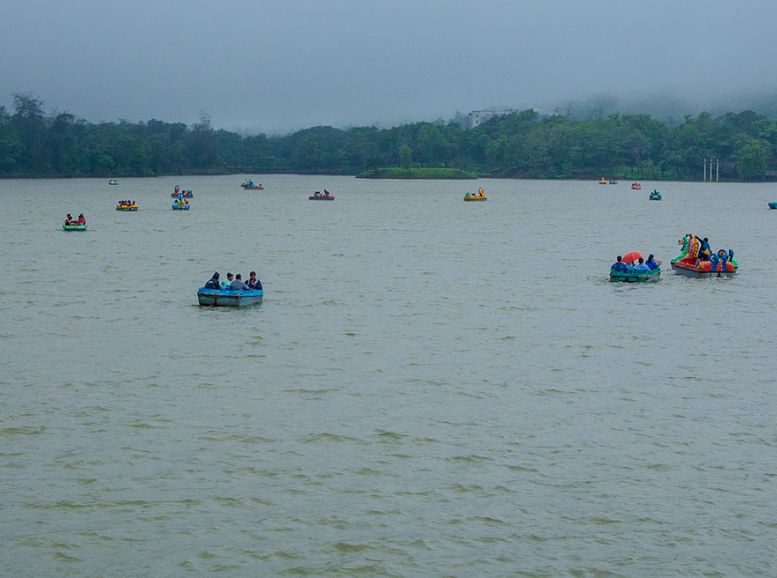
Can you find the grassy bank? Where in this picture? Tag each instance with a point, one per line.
(416, 173)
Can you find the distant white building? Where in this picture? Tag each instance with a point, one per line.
(478, 117)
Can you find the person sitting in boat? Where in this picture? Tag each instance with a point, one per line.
(237, 284)
(720, 257)
(69, 219)
(481, 192)
(225, 284)
(253, 283)
(81, 219)
(652, 263)
(619, 266)
(213, 282)
(641, 267)
(704, 249)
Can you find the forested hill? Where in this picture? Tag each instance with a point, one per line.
(525, 144)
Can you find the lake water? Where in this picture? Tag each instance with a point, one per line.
(430, 388)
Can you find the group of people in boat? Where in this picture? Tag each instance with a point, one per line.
(480, 194)
(127, 203)
(326, 194)
(69, 220)
(234, 283)
(641, 266)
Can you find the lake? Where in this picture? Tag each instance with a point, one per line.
(430, 388)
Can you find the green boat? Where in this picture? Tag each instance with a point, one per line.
(651, 276)
(74, 227)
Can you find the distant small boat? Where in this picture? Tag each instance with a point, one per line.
(74, 227)
(480, 196)
(612, 182)
(127, 207)
(113, 182)
(180, 206)
(228, 298)
(602, 181)
(655, 196)
(188, 194)
(773, 205)
(317, 196)
(249, 185)
(636, 187)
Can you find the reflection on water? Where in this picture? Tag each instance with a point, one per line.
(431, 387)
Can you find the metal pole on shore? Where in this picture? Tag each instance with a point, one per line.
(717, 170)
(705, 169)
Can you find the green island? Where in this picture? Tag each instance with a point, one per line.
(417, 173)
(523, 144)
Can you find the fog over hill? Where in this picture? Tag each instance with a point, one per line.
(275, 66)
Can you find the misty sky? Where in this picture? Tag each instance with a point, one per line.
(275, 65)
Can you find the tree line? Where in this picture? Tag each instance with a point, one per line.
(523, 145)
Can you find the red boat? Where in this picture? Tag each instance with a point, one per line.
(719, 264)
(636, 187)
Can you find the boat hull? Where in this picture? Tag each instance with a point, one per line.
(321, 198)
(126, 208)
(221, 298)
(254, 188)
(473, 199)
(178, 208)
(74, 227)
(690, 271)
(773, 205)
(636, 276)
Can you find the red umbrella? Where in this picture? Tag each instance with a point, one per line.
(631, 257)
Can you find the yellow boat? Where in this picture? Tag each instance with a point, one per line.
(132, 207)
(481, 196)
(602, 181)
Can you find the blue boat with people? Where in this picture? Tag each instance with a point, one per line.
(180, 205)
(231, 293)
(633, 268)
(773, 205)
(655, 195)
(228, 297)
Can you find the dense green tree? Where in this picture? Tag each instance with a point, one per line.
(522, 144)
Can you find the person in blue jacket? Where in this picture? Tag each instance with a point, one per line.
(652, 263)
(619, 266)
(642, 267)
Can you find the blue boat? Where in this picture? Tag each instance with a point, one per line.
(228, 298)
(651, 276)
(180, 206)
(773, 205)
(655, 196)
